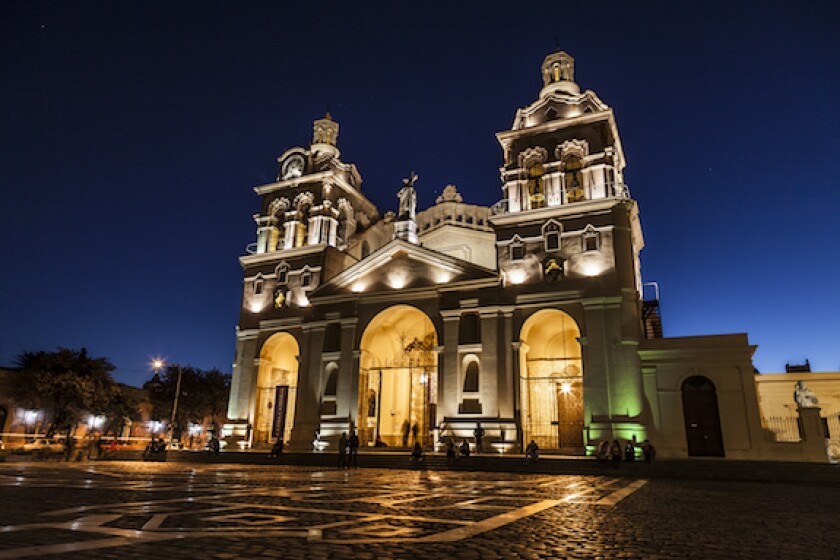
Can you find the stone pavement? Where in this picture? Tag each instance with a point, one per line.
(148, 510)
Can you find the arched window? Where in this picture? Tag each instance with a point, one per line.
(591, 239)
(305, 278)
(551, 234)
(258, 285)
(469, 329)
(517, 249)
(331, 386)
(282, 273)
(535, 186)
(471, 378)
(573, 180)
(365, 249)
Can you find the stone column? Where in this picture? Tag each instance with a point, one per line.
(491, 381)
(307, 417)
(813, 434)
(348, 371)
(504, 363)
(448, 375)
(244, 379)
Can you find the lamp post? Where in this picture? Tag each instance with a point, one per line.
(158, 365)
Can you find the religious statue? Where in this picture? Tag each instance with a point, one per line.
(804, 397)
(408, 198)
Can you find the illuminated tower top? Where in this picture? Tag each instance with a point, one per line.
(558, 74)
(325, 136)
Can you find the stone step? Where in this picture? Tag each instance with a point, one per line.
(699, 468)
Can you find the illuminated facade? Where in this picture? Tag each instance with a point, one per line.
(526, 317)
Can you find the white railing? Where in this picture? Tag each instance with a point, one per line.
(782, 428)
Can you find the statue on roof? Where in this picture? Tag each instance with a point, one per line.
(408, 198)
(804, 397)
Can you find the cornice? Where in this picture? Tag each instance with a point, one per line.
(293, 182)
(557, 124)
(281, 255)
(571, 210)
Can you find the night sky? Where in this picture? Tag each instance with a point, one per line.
(131, 135)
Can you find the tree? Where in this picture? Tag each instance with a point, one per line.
(66, 383)
(203, 395)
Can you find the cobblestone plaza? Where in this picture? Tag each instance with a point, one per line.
(146, 510)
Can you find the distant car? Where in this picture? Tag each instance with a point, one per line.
(42, 446)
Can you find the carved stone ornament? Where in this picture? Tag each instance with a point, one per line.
(304, 199)
(552, 269)
(278, 205)
(579, 148)
(530, 156)
(450, 194)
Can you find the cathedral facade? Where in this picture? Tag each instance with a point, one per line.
(526, 318)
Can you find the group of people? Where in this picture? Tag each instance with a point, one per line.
(463, 450)
(612, 452)
(348, 450)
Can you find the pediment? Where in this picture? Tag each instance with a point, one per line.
(561, 104)
(400, 265)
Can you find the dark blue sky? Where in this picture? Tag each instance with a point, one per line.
(132, 134)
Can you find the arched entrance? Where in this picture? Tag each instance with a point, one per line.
(397, 377)
(702, 418)
(276, 389)
(551, 389)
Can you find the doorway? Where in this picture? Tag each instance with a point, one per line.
(702, 418)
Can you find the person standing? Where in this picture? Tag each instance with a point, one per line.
(69, 446)
(479, 434)
(450, 451)
(406, 429)
(615, 453)
(629, 451)
(603, 453)
(353, 448)
(342, 450)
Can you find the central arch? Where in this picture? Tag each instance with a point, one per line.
(277, 381)
(551, 381)
(397, 377)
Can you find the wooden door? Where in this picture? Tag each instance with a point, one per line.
(702, 418)
(570, 414)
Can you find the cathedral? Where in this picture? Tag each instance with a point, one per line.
(526, 318)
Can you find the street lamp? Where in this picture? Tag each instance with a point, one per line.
(158, 364)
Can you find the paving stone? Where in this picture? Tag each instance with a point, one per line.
(230, 511)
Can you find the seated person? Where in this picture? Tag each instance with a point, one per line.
(379, 442)
(532, 452)
(277, 449)
(417, 452)
(465, 448)
(450, 450)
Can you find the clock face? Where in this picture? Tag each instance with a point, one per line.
(293, 167)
